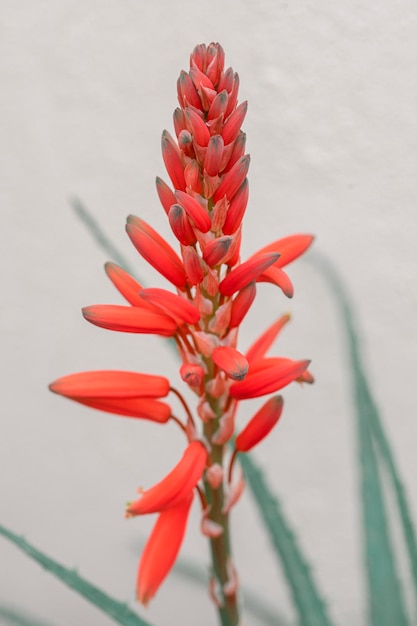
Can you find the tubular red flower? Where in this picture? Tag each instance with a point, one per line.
(140, 408)
(192, 265)
(278, 277)
(260, 425)
(175, 486)
(266, 376)
(156, 251)
(130, 319)
(197, 127)
(246, 273)
(241, 304)
(233, 179)
(161, 549)
(172, 159)
(218, 250)
(259, 348)
(289, 248)
(237, 150)
(192, 374)
(218, 106)
(234, 122)
(124, 283)
(236, 209)
(181, 226)
(170, 303)
(110, 384)
(187, 93)
(165, 194)
(195, 211)
(232, 362)
(214, 155)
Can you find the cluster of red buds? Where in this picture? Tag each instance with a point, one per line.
(214, 291)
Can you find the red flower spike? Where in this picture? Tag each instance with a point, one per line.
(195, 211)
(192, 374)
(176, 485)
(230, 361)
(127, 319)
(218, 106)
(187, 94)
(236, 209)
(156, 251)
(165, 194)
(181, 226)
(234, 122)
(110, 384)
(171, 304)
(260, 425)
(246, 273)
(260, 347)
(289, 248)
(214, 155)
(232, 180)
(278, 277)
(192, 265)
(161, 549)
(217, 250)
(241, 304)
(267, 376)
(172, 159)
(124, 283)
(197, 127)
(139, 408)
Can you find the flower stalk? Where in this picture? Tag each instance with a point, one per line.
(211, 293)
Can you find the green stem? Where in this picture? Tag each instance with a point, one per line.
(220, 547)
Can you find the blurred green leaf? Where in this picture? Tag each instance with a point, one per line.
(311, 608)
(386, 602)
(16, 618)
(117, 610)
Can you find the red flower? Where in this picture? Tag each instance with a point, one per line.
(211, 293)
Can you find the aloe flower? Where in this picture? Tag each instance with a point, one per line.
(209, 292)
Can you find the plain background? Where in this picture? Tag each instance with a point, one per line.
(86, 89)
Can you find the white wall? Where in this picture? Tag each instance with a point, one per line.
(87, 88)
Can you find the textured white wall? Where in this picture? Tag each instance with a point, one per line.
(87, 88)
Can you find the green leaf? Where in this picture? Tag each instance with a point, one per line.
(311, 608)
(386, 602)
(117, 610)
(15, 618)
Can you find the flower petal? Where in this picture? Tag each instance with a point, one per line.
(278, 277)
(175, 486)
(171, 304)
(110, 384)
(156, 251)
(260, 425)
(130, 319)
(232, 362)
(141, 408)
(233, 179)
(124, 283)
(267, 376)
(161, 549)
(246, 273)
(289, 248)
